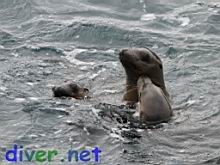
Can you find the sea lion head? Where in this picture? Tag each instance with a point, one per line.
(141, 62)
(70, 89)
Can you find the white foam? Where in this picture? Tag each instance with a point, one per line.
(2, 47)
(140, 130)
(3, 88)
(42, 135)
(57, 132)
(148, 17)
(34, 98)
(33, 136)
(59, 109)
(68, 121)
(191, 102)
(110, 51)
(84, 68)
(20, 100)
(96, 74)
(112, 63)
(184, 21)
(109, 91)
(71, 56)
(15, 54)
(182, 151)
(93, 76)
(50, 85)
(86, 130)
(30, 83)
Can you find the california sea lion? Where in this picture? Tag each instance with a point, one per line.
(141, 62)
(154, 107)
(70, 89)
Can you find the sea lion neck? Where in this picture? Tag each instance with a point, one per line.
(131, 78)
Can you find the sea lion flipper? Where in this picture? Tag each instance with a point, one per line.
(131, 95)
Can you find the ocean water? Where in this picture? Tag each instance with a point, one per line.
(46, 42)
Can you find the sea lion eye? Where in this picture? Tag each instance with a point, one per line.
(74, 87)
(145, 59)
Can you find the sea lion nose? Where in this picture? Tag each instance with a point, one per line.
(53, 88)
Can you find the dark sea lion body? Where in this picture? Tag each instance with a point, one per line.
(141, 62)
(154, 107)
(70, 89)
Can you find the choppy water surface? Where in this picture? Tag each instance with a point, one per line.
(45, 42)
